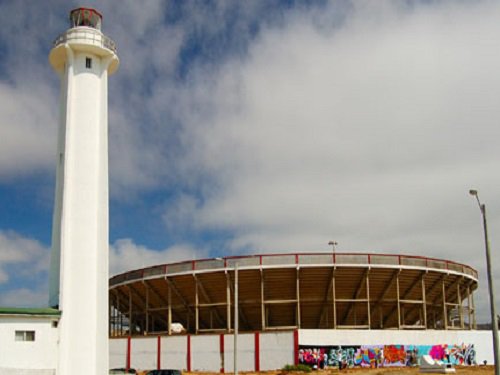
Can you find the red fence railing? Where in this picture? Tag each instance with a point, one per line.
(294, 259)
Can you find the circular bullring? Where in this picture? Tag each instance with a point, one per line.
(289, 291)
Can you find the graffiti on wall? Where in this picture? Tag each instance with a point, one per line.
(384, 355)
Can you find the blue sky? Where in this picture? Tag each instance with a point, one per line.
(242, 127)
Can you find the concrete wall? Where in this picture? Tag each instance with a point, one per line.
(28, 357)
(276, 350)
(482, 340)
(273, 350)
(174, 352)
(144, 353)
(205, 352)
(246, 352)
(117, 348)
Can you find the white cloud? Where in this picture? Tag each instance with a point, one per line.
(25, 297)
(27, 131)
(24, 266)
(125, 255)
(317, 131)
(370, 134)
(21, 256)
(28, 101)
(181, 214)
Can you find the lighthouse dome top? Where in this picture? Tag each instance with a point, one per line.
(85, 17)
(84, 35)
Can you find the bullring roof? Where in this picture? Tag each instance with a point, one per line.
(288, 291)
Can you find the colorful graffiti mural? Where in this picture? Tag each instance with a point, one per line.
(384, 355)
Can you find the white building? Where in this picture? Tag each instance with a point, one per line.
(28, 341)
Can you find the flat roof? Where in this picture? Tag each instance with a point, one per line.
(38, 311)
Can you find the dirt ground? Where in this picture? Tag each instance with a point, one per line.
(465, 370)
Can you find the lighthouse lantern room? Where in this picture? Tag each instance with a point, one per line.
(85, 17)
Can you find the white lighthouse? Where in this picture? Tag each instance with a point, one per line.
(83, 57)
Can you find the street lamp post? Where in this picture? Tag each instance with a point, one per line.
(494, 322)
(236, 318)
(333, 244)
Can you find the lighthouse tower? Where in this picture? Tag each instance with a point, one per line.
(83, 57)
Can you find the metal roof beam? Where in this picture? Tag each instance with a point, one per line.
(241, 313)
(381, 299)
(325, 299)
(158, 295)
(356, 294)
(174, 288)
(416, 282)
(207, 298)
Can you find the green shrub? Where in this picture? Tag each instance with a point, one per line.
(300, 368)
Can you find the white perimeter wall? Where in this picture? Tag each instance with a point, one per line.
(246, 352)
(174, 352)
(482, 340)
(276, 350)
(28, 357)
(144, 353)
(116, 349)
(206, 350)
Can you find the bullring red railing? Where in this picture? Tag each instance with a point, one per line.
(295, 259)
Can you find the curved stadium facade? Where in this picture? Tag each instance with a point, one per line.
(295, 291)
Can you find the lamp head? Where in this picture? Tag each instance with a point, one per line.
(473, 192)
